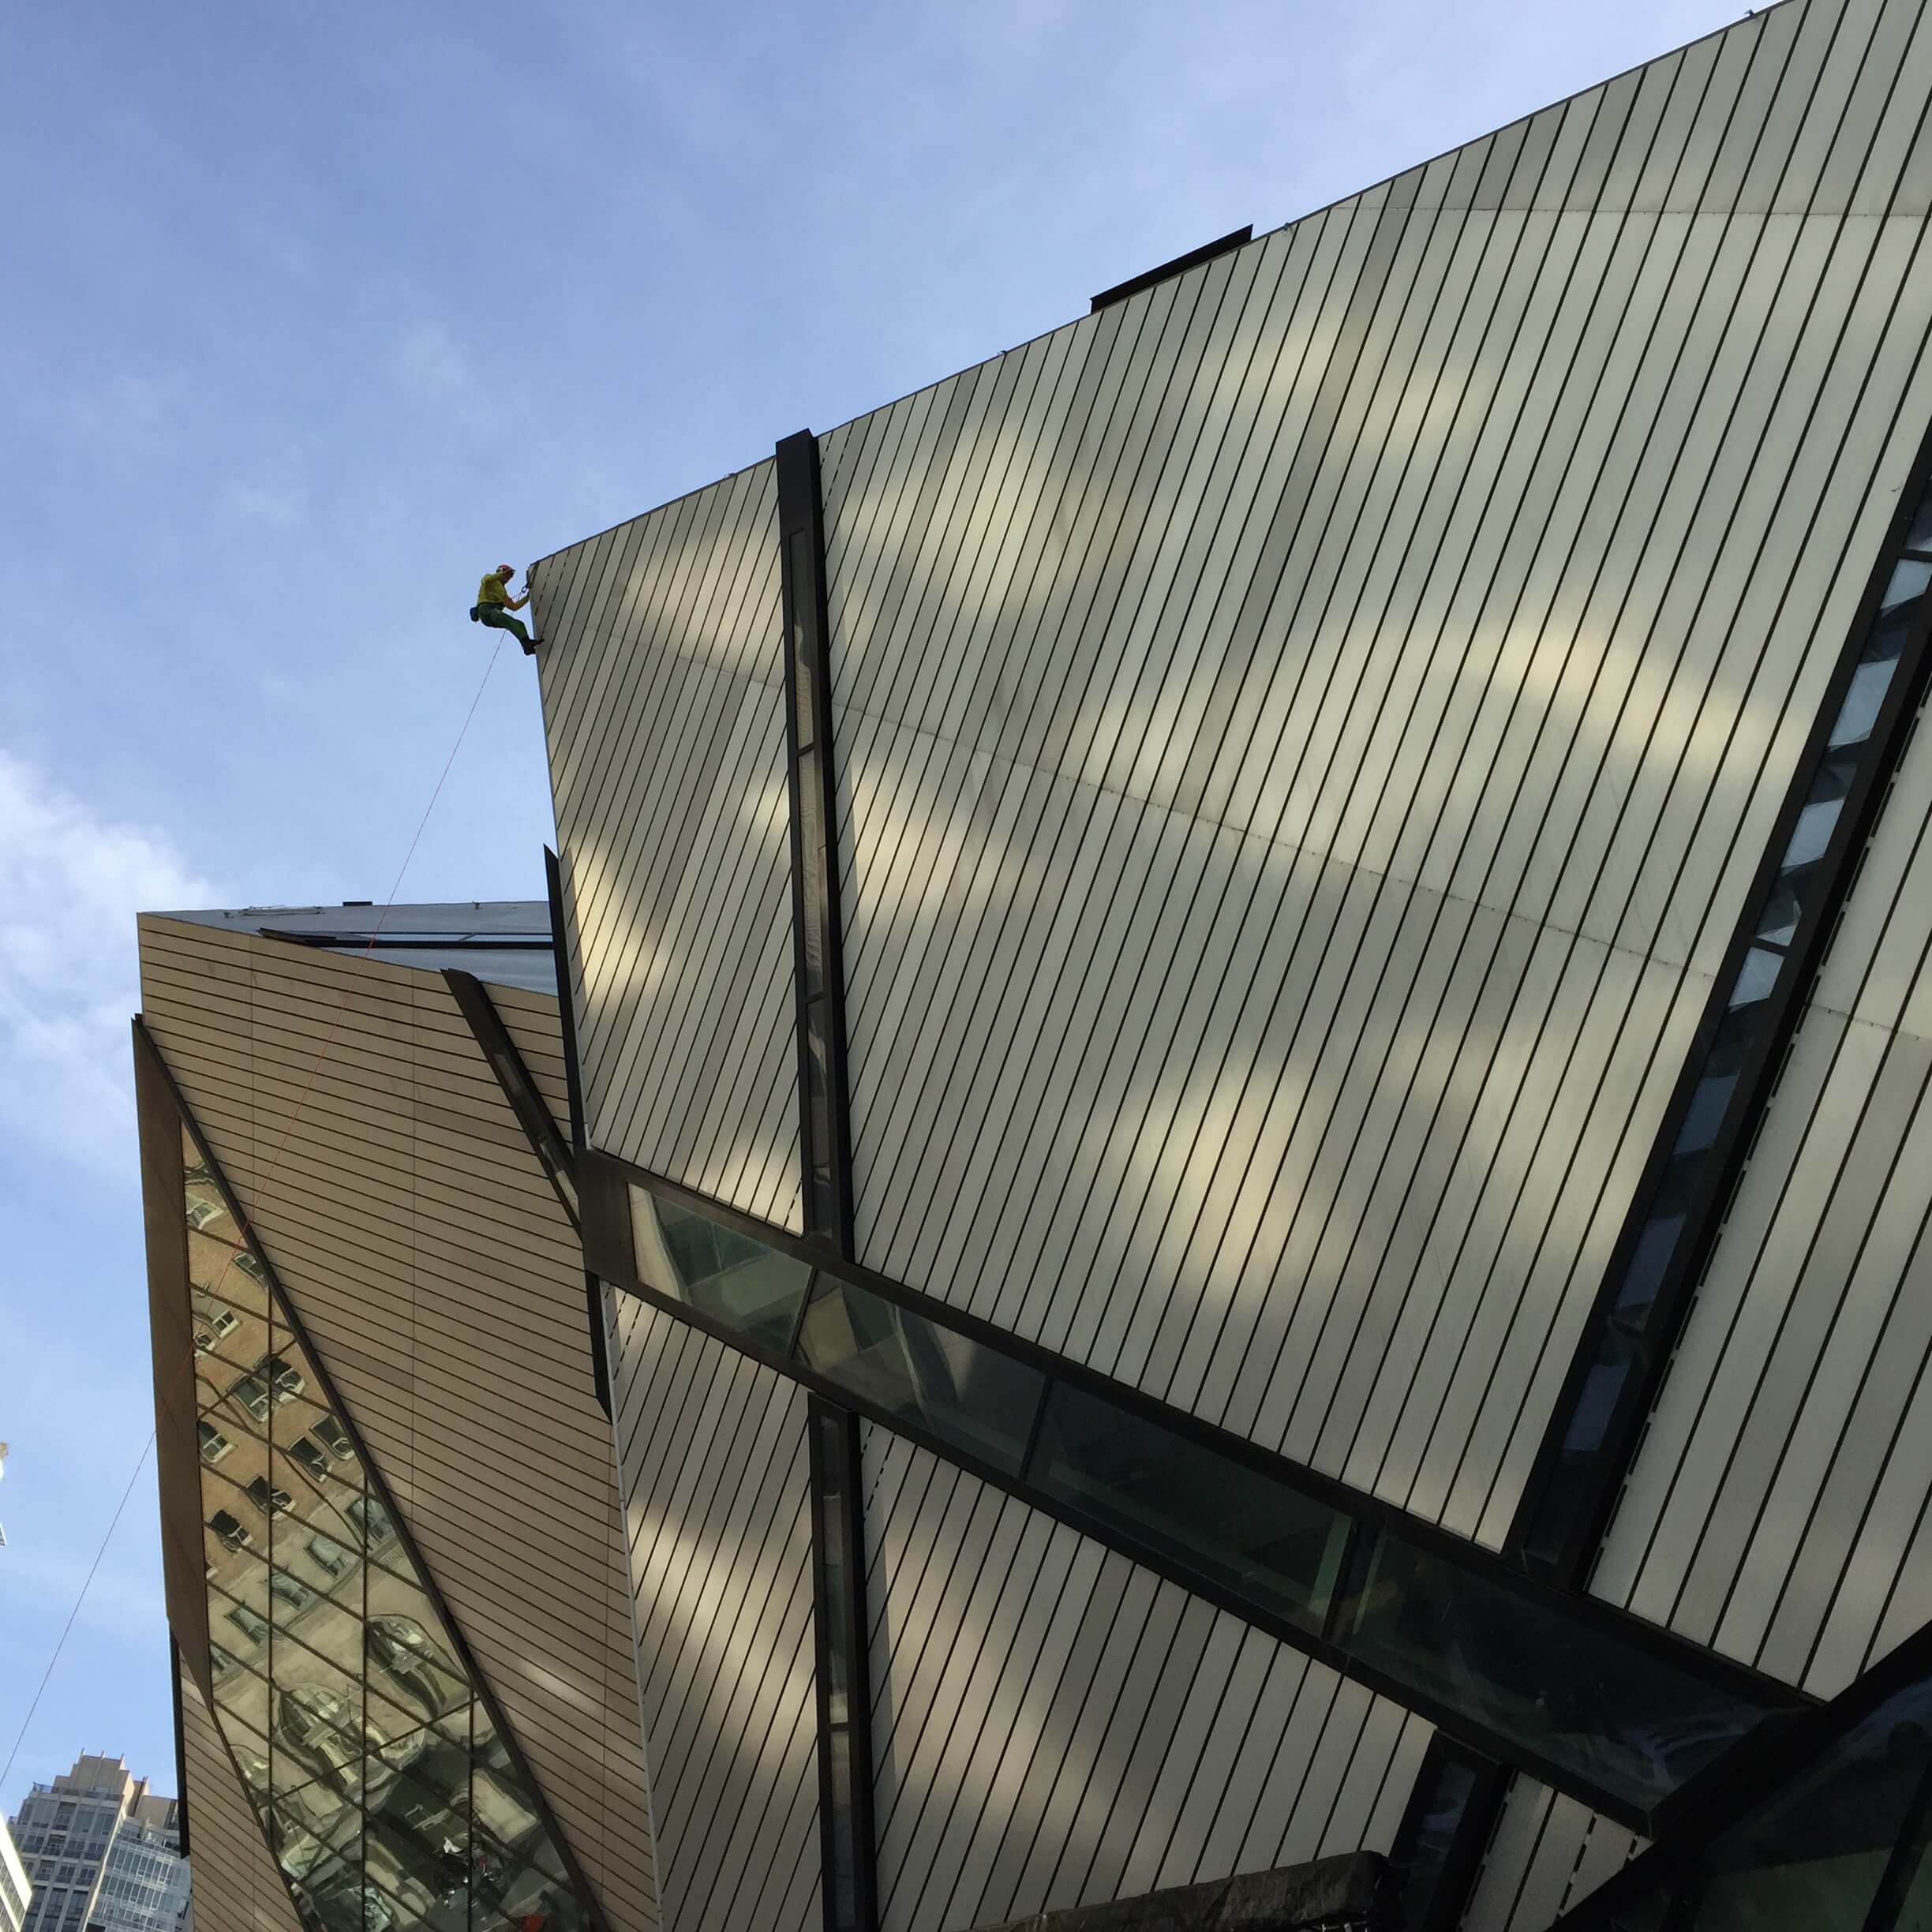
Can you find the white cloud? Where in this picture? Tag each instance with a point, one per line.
(432, 366)
(281, 506)
(71, 881)
(130, 421)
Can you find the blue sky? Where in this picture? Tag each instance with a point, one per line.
(314, 313)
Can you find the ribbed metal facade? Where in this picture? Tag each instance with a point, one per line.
(1054, 1724)
(664, 703)
(712, 1456)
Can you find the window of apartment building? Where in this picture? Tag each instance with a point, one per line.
(267, 1498)
(326, 1556)
(214, 1445)
(213, 1320)
(292, 1591)
(252, 1626)
(232, 1531)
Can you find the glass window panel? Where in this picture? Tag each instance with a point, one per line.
(531, 1901)
(1623, 1719)
(339, 1893)
(503, 1807)
(1193, 1503)
(1705, 1113)
(1778, 922)
(1859, 711)
(753, 1288)
(373, 1527)
(413, 1673)
(1907, 583)
(815, 877)
(418, 1843)
(242, 1697)
(928, 1375)
(1757, 977)
(312, 1819)
(1919, 536)
(1812, 834)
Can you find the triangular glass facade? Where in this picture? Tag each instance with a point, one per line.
(387, 1790)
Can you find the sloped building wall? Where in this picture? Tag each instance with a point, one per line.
(386, 1176)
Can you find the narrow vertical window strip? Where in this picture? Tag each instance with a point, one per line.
(818, 947)
(841, 1633)
(1452, 1810)
(573, 1086)
(1666, 1242)
(848, 1858)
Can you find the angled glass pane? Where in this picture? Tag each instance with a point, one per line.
(1816, 1851)
(752, 1289)
(409, 1662)
(1907, 583)
(505, 1809)
(1243, 1529)
(529, 1901)
(334, 1889)
(933, 1378)
(1538, 1676)
(418, 1846)
(1858, 712)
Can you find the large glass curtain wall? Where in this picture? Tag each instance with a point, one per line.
(382, 1787)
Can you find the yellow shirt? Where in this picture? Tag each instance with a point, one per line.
(495, 590)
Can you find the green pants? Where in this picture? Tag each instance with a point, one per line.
(498, 619)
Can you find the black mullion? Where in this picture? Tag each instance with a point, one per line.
(840, 1628)
(500, 1052)
(840, 1625)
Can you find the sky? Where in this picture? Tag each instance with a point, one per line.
(316, 313)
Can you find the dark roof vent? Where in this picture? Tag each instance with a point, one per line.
(1180, 265)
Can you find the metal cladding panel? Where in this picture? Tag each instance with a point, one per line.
(233, 1880)
(442, 1286)
(1307, 732)
(1547, 1854)
(715, 1470)
(1053, 1725)
(664, 702)
(1776, 1509)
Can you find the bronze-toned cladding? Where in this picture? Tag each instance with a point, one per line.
(176, 1462)
(444, 1292)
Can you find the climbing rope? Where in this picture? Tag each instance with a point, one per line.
(315, 1068)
